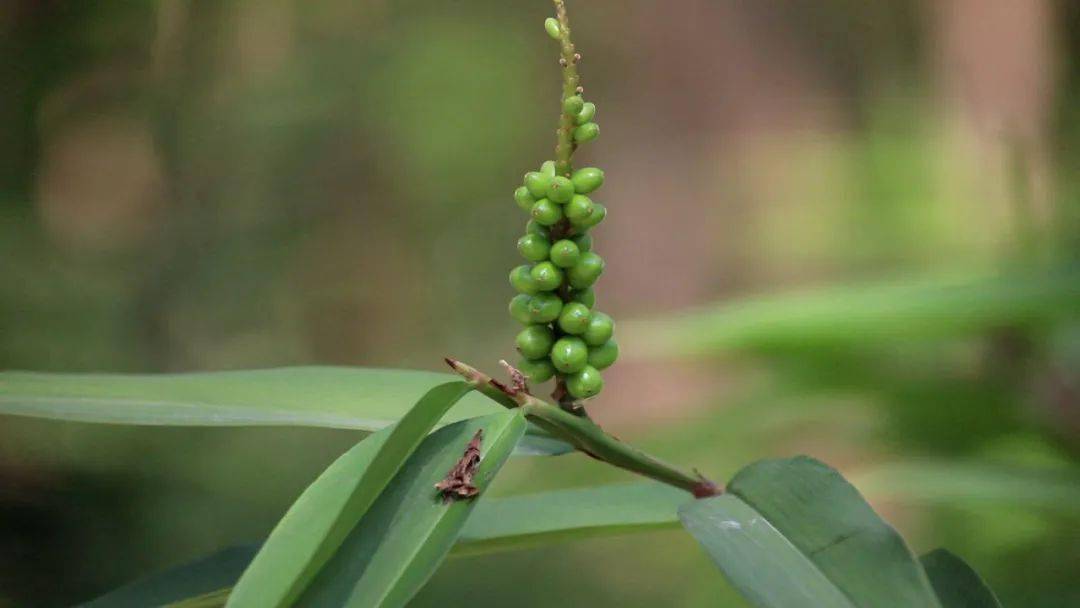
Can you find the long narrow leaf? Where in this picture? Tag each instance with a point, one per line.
(316, 525)
(956, 583)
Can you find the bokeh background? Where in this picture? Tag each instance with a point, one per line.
(869, 208)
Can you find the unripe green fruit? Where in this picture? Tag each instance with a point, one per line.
(588, 179)
(551, 24)
(574, 318)
(561, 189)
(586, 296)
(564, 253)
(585, 272)
(547, 276)
(573, 104)
(548, 168)
(534, 227)
(537, 183)
(601, 357)
(583, 241)
(569, 355)
(534, 247)
(544, 307)
(579, 209)
(599, 331)
(597, 216)
(587, 113)
(523, 199)
(520, 308)
(521, 280)
(546, 212)
(586, 132)
(586, 383)
(536, 370)
(535, 341)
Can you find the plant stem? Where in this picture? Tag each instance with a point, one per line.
(584, 434)
(565, 147)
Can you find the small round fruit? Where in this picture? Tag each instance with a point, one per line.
(569, 355)
(520, 308)
(586, 132)
(585, 272)
(535, 341)
(598, 215)
(573, 104)
(579, 209)
(537, 184)
(586, 296)
(599, 331)
(583, 242)
(588, 179)
(560, 190)
(586, 383)
(536, 370)
(546, 276)
(544, 308)
(574, 318)
(548, 168)
(601, 357)
(534, 247)
(564, 253)
(551, 24)
(534, 227)
(546, 212)
(587, 113)
(524, 199)
(521, 280)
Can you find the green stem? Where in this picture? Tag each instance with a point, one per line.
(584, 434)
(565, 147)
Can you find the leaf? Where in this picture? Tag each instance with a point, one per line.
(319, 521)
(200, 578)
(408, 532)
(904, 310)
(516, 522)
(956, 583)
(795, 533)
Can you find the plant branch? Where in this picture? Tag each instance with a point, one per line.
(584, 434)
(568, 59)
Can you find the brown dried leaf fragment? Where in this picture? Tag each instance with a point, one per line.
(458, 483)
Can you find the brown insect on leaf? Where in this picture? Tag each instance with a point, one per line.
(458, 483)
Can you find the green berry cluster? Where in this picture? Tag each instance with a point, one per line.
(564, 334)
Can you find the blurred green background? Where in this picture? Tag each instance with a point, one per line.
(870, 209)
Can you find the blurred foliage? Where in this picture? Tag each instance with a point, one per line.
(188, 186)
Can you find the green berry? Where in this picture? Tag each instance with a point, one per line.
(534, 247)
(599, 331)
(597, 216)
(588, 179)
(520, 308)
(565, 253)
(574, 318)
(521, 280)
(546, 276)
(587, 113)
(535, 341)
(573, 104)
(546, 212)
(524, 199)
(560, 190)
(544, 307)
(551, 24)
(586, 383)
(534, 227)
(586, 132)
(536, 370)
(585, 272)
(569, 355)
(583, 242)
(579, 209)
(601, 357)
(537, 184)
(586, 296)
(548, 168)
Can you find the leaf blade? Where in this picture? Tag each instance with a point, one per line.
(956, 583)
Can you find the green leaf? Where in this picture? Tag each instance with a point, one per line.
(209, 575)
(408, 532)
(904, 310)
(319, 521)
(516, 522)
(795, 533)
(956, 583)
